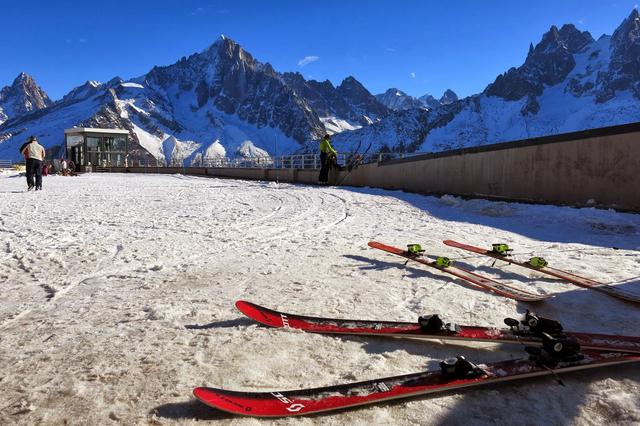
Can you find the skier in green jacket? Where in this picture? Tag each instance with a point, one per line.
(328, 156)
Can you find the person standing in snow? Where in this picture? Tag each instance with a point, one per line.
(328, 157)
(63, 167)
(34, 154)
(72, 168)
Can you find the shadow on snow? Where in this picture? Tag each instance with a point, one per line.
(546, 223)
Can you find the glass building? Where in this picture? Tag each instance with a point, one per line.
(97, 147)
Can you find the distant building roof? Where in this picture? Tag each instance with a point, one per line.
(95, 130)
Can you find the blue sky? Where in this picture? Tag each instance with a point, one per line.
(417, 46)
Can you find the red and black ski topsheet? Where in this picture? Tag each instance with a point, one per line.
(272, 318)
(564, 275)
(472, 277)
(317, 400)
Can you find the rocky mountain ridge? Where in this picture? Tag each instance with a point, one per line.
(397, 100)
(221, 96)
(568, 82)
(222, 101)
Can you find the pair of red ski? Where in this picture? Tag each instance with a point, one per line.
(559, 353)
(504, 289)
(554, 350)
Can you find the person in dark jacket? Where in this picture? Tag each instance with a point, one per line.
(34, 155)
(328, 157)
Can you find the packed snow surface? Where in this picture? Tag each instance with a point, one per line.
(118, 298)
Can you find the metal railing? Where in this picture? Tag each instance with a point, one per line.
(299, 161)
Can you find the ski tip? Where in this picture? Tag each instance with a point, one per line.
(242, 305)
(247, 308)
(208, 395)
(214, 398)
(200, 393)
(260, 314)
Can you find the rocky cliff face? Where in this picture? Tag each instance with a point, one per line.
(624, 67)
(22, 97)
(548, 63)
(227, 78)
(350, 101)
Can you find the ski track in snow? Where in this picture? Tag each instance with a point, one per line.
(118, 295)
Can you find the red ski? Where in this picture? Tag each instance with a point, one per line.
(472, 277)
(567, 276)
(323, 399)
(522, 333)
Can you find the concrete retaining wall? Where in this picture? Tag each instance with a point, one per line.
(597, 167)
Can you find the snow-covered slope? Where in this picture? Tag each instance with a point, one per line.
(568, 82)
(114, 315)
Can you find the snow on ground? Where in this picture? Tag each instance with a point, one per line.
(118, 295)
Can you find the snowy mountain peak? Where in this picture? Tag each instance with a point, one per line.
(397, 100)
(88, 89)
(548, 63)
(22, 97)
(429, 101)
(448, 97)
(361, 100)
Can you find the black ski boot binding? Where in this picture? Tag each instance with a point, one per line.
(433, 323)
(513, 324)
(459, 368)
(562, 348)
(555, 350)
(430, 323)
(535, 325)
(539, 325)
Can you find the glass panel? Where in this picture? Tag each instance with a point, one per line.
(119, 143)
(92, 143)
(107, 143)
(74, 140)
(92, 158)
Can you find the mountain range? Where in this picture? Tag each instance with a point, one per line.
(224, 102)
(397, 100)
(218, 102)
(568, 82)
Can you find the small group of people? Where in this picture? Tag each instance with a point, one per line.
(67, 168)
